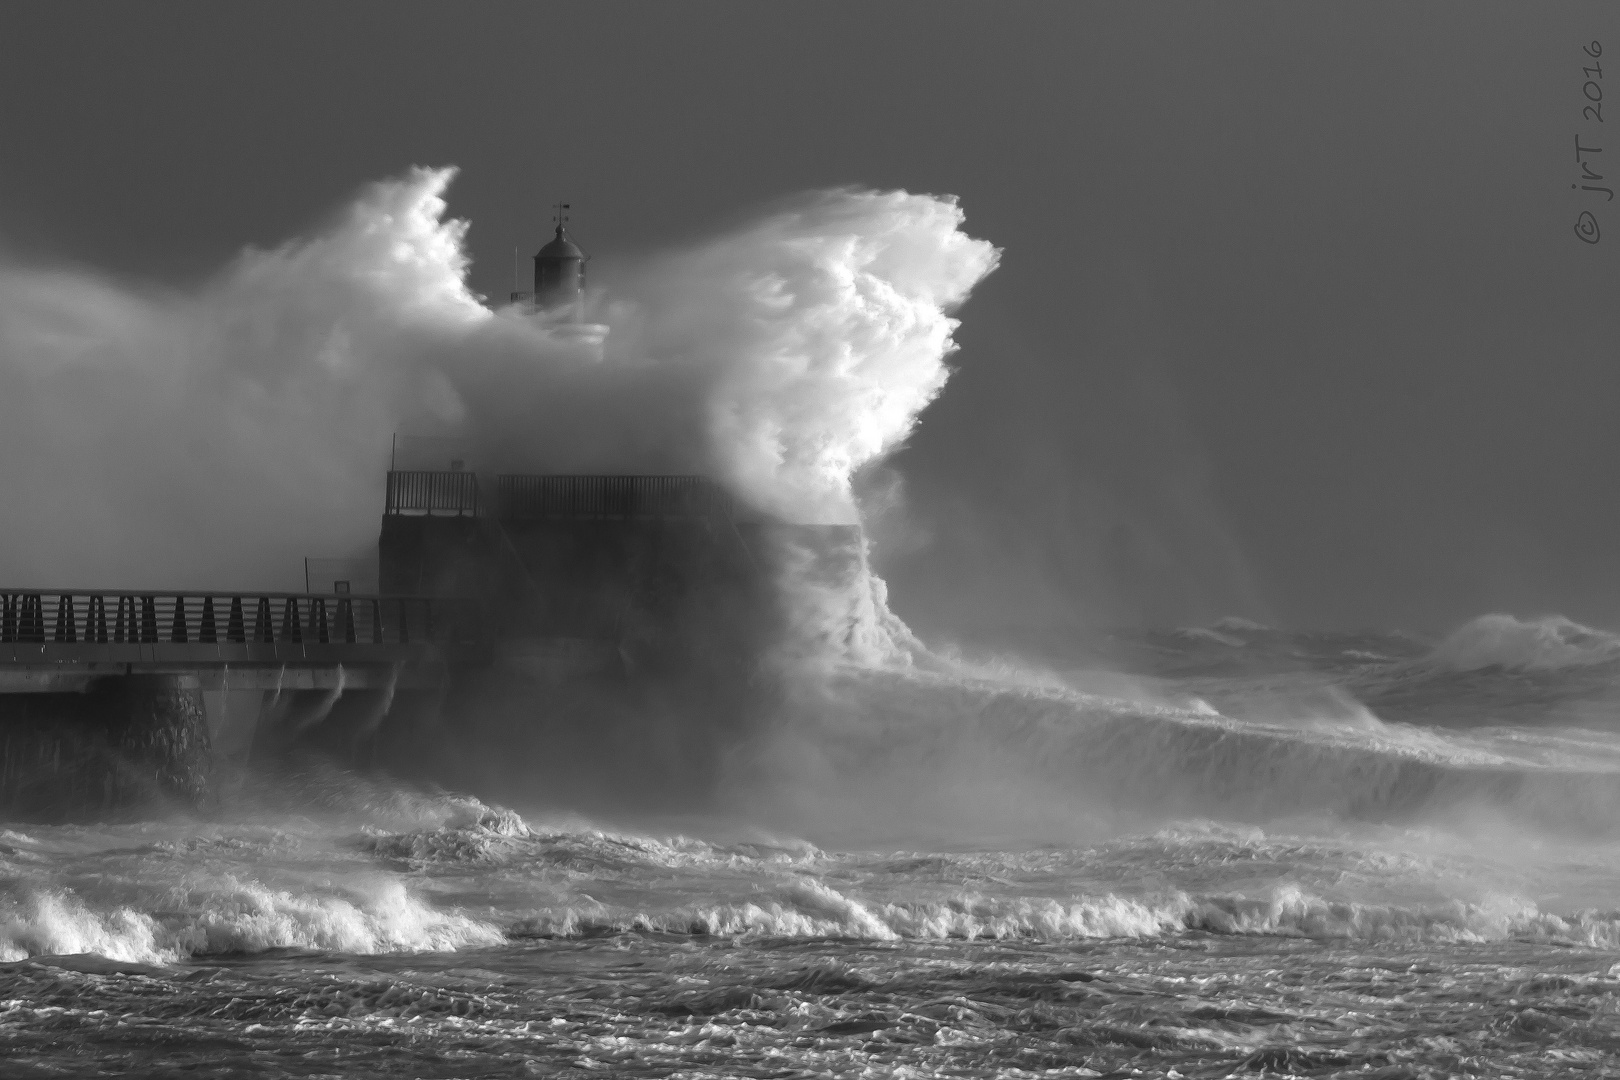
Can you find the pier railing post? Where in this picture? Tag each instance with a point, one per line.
(66, 631)
(291, 628)
(95, 624)
(205, 625)
(31, 619)
(149, 633)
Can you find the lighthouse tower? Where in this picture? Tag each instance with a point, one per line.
(558, 299)
(559, 272)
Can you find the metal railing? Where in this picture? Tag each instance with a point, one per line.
(520, 497)
(46, 616)
(430, 492)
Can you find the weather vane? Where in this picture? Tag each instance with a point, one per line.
(560, 217)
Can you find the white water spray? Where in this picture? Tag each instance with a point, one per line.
(212, 437)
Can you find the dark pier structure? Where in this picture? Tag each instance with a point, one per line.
(631, 618)
(104, 695)
(631, 572)
(531, 619)
(552, 615)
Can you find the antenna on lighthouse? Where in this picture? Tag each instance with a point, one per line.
(521, 271)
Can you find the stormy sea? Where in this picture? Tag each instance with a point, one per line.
(1201, 852)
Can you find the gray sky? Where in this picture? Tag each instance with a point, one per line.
(1292, 321)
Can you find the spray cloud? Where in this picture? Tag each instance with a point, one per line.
(211, 437)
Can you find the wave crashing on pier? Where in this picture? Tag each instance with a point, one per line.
(1214, 848)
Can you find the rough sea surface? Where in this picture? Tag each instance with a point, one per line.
(1224, 851)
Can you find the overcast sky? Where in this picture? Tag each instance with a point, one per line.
(1292, 320)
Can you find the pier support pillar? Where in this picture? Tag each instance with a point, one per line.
(126, 742)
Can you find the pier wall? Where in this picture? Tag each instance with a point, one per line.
(666, 595)
(629, 616)
(125, 742)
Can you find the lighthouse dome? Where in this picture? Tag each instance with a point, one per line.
(560, 247)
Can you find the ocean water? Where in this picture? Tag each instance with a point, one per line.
(1208, 852)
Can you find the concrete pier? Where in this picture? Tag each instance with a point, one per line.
(126, 742)
(631, 621)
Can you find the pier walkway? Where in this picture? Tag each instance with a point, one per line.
(55, 640)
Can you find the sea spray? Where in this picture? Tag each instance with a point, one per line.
(222, 431)
(821, 332)
(779, 358)
(219, 432)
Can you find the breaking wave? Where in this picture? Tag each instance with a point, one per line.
(812, 909)
(591, 883)
(236, 916)
(1548, 642)
(880, 731)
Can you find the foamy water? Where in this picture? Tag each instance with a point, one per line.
(992, 875)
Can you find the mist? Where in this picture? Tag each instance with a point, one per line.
(210, 437)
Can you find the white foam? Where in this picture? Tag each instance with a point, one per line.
(232, 915)
(53, 923)
(813, 909)
(383, 917)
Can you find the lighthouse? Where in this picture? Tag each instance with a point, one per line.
(559, 272)
(558, 299)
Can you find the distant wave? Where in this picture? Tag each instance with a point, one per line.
(1542, 643)
(1547, 642)
(1242, 645)
(1496, 670)
(1232, 631)
(1209, 634)
(1238, 624)
(886, 729)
